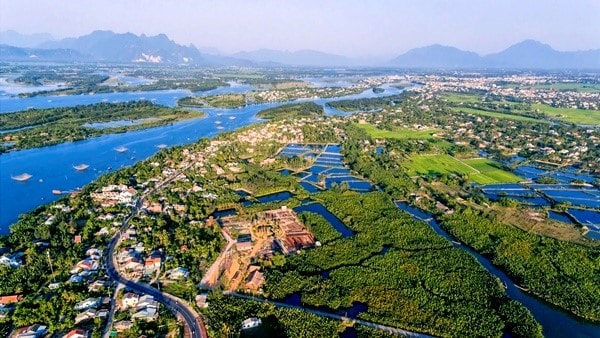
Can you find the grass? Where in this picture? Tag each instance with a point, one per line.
(480, 170)
(490, 172)
(462, 98)
(495, 114)
(577, 87)
(401, 133)
(573, 115)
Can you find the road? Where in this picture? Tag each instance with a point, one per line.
(192, 319)
(212, 274)
(376, 326)
(194, 325)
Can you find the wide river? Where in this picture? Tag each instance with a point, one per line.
(52, 167)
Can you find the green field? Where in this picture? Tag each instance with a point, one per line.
(462, 98)
(495, 114)
(490, 172)
(480, 170)
(573, 115)
(577, 87)
(399, 133)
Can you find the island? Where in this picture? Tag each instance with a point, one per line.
(43, 127)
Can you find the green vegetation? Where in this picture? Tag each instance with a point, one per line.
(397, 133)
(320, 227)
(573, 115)
(366, 104)
(43, 127)
(490, 172)
(305, 109)
(571, 87)
(494, 114)
(421, 283)
(217, 101)
(225, 315)
(436, 165)
(562, 273)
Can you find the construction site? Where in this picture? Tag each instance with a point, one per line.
(252, 238)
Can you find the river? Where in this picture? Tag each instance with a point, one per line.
(52, 167)
(555, 322)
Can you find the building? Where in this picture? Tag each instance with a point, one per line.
(10, 299)
(123, 325)
(31, 331)
(76, 333)
(250, 323)
(178, 273)
(243, 242)
(87, 304)
(129, 299)
(255, 278)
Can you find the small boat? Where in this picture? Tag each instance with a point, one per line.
(217, 122)
(22, 178)
(161, 146)
(132, 158)
(457, 243)
(121, 149)
(81, 167)
(232, 117)
(219, 127)
(56, 192)
(521, 288)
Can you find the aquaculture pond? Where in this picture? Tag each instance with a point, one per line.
(334, 221)
(328, 168)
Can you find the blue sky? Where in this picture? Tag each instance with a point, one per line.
(346, 27)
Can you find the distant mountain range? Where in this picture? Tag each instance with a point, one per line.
(107, 46)
(298, 58)
(528, 54)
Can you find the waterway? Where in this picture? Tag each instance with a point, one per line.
(555, 322)
(52, 167)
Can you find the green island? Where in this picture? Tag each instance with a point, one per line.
(43, 127)
(97, 85)
(216, 101)
(305, 109)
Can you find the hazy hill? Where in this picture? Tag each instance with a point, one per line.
(128, 47)
(297, 58)
(11, 53)
(13, 38)
(528, 54)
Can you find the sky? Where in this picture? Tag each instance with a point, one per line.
(355, 28)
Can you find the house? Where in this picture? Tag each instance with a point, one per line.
(129, 299)
(255, 278)
(243, 242)
(178, 273)
(147, 314)
(97, 285)
(87, 304)
(201, 300)
(31, 331)
(11, 299)
(123, 325)
(146, 301)
(76, 333)
(85, 315)
(250, 323)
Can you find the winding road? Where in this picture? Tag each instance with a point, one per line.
(193, 322)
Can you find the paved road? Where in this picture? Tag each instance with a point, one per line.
(334, 316)
(193, 322)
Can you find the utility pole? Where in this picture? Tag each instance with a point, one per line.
(51, 268)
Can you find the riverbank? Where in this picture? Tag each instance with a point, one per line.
(44, 127)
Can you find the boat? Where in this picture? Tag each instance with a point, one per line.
(217, 122)
(22, 178)
(161, 146)
(56, 192)
(121, 149)
(219, 127)
(457, 243)
(81, 167)
(521, 288)
(232, 117)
